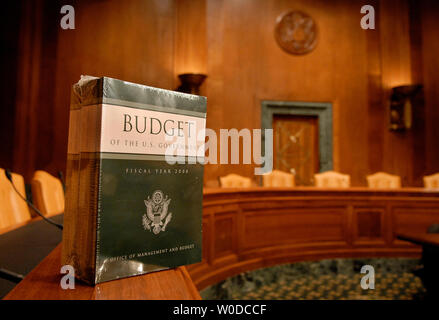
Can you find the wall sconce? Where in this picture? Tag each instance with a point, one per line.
(191, 82)
(402, 100)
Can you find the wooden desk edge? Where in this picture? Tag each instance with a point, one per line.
(46, 273)
(404, 191)
(419, 238)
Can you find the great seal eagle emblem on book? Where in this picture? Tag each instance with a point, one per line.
(156, 217)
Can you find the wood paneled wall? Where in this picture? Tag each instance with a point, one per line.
(150, 42)
(352, 68)
(9, 29)
(430, 46)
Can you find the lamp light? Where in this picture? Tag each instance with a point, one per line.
(191, 82)
(402, 102)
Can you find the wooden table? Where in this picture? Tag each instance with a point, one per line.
(245, 229)
(251, 228)
(44, 283)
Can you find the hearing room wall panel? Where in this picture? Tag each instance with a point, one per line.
(232, 42)
(350, 67)
(430, 63)
(129, 40)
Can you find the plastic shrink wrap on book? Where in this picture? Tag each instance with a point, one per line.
(134, 179)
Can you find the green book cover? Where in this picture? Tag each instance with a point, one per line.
(143, 143)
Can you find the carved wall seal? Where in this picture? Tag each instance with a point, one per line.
(296, 32)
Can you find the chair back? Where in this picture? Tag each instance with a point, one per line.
(332, 179)
(235, 181)
(47, 193)
(277, 178)
(432, 181)
(13, 209)
(382, 180)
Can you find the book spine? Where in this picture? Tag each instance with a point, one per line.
(69, 251)
(89, 184)
(83, 171)
(87, 217)
(74, 242)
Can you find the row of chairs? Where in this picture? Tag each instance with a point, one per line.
(47, 195)
(48, 191)
(328, 179)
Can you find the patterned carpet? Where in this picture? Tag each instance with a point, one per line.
(327, 280)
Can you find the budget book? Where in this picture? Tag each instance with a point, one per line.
(134, 179)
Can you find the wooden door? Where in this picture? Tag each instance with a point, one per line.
(296, 146)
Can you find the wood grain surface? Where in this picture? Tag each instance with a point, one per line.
(44, 283)
(245, 229)
(151, 42)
